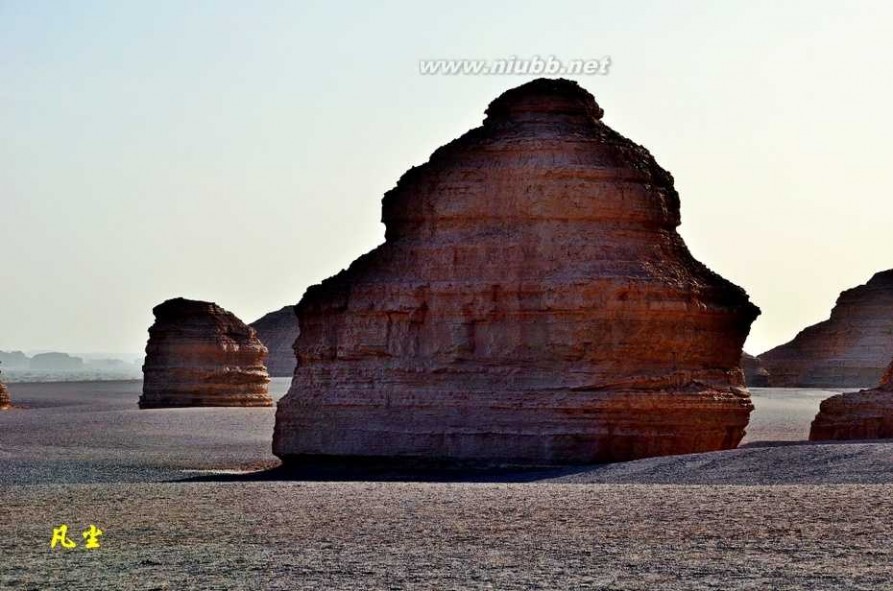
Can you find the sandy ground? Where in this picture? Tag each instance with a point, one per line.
(167, 489)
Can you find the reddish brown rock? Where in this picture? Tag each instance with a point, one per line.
(201, 355)
(849, 350)
(4, 397)
(755, 374)
(887, 380)
(278, 331)
(857, 415)
(532, 303)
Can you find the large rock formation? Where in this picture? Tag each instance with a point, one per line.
(532, 303)
(201, 355)
(857, 415)
(849, 350)
(278, 331)
(755, 374)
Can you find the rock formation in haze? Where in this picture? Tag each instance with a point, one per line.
(55, 362)
(849, 350)
(14, 360)
(532, 303)
(201, 355)
(755, 375)
(857, 415)
(278, 331)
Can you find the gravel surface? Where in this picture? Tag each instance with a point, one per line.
(187, 500)
(289, 535)
(92, 432)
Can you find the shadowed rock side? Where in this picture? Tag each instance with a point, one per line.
(849, 350)
(755, 375)
(278, 331)
(532, 303)
(4, 397)
(201, 355)
(857, 415)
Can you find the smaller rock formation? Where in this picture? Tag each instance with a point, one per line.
(755, 375)
(857, 415)
(278, 331)
(849, 350)
(201, 355)
(4, 397)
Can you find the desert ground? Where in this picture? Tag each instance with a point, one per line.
(192, 499)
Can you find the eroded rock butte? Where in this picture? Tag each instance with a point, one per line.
(4, 397)
(755, 375)
(278, 331)
(532, 303)
(199, 354)
(849, 350)
(857, 415)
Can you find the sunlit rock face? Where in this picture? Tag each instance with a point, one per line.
(532, 304)
(857, 415)
(849, 350)
(201, 355)
(278, 331)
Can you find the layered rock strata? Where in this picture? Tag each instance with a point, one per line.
(278, 331)
(857, 415)
(532, 303)
(849, 350)
(4, 397)
(199, 354)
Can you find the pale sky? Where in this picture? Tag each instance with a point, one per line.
(238, 151)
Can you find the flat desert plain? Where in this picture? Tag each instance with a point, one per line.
(192, 499)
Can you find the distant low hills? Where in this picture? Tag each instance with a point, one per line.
(56, 366)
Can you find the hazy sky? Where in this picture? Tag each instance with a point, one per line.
(238, 151)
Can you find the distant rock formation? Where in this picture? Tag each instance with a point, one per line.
(4, 394)
(14, 360)
(201, 355)
(755, 375)
(55, 362)
(857, 415)
(278, 331)
(532, 303)
(4, 397)
(849, 350)
(106, 363)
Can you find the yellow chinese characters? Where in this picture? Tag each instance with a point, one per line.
(92, 536)
(60, 537)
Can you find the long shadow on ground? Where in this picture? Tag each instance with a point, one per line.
(777, 462)
(353, 469)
